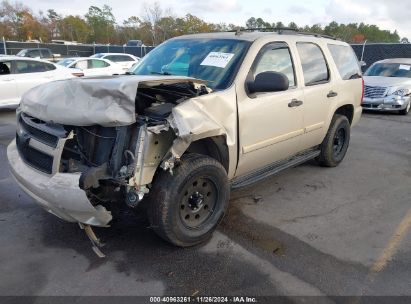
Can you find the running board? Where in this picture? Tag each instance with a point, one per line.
(273, 169)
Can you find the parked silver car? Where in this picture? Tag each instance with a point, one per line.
(388, 86)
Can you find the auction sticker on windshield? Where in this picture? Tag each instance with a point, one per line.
(217, 59)
(404, 67)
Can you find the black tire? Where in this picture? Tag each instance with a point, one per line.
(406, 110)
(200, 184)
(335, 144)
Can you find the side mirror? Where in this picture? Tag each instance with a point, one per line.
(362, 63)
(269, 82)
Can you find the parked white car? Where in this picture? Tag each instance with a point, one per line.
(18, 75)
(92, 66)
(125, 60)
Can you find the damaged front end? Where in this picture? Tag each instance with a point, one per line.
(82, 145)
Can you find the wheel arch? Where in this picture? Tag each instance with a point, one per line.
(347, 110)
(214, 147)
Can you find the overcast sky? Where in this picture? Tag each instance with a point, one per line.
(387, 14)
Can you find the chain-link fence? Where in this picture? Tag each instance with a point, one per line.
(134, 50)
(378, 51)
(68, 50)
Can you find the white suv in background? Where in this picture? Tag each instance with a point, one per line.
(19, 74)
(125, 60)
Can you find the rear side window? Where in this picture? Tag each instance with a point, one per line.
(345, 60)
(275, 57)
(315, 67)
(95, 64)
(33, 54)
(49, 66)
(23, 67)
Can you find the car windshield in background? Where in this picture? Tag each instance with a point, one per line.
(389, 70)
(97, 55)
(65, 62)
(213, 60)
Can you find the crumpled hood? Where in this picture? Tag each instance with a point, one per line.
(106, 101)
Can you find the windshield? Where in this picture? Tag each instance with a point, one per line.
(98, 55)
(389, 70)
(213, 60)
(65, 62)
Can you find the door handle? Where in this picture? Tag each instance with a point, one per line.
(332, 94)
(295, 103)
(8, 79)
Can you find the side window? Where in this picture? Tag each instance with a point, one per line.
(49, 66)
(23, 67)
(275, 57)
(34, 54)
(345, 60)
(5, 68)
(111, 58)
(95, 64)
(45, 54)
(315, 67)
(82, 65)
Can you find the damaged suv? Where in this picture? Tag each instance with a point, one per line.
(198, 116)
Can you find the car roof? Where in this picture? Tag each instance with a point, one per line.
(396, 60)
(115, 54)
(12, 57)
(251, 36)
(79, 58)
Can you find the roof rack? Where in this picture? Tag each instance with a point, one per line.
(280, 30)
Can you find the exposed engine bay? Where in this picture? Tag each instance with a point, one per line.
(115, 162)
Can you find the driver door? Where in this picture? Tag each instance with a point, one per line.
(270, 124)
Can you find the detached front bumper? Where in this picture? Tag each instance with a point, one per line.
(58, 194)
(390, 103)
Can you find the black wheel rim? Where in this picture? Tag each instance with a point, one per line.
(339, 141)
(198, 202)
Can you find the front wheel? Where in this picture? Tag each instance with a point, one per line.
(335, 144)
(185, 208)
(406, 110)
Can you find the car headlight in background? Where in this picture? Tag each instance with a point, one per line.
(401, 92)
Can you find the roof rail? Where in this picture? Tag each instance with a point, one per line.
(280, 30)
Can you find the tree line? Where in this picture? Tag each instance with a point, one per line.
(152, 26)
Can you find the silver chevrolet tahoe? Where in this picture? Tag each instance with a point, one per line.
(198, 116)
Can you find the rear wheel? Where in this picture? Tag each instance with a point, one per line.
(186, 207)
(335, 144)
(406, 110)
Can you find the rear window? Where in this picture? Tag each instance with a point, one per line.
(315, 67)
(345, 60)
(119, 58)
